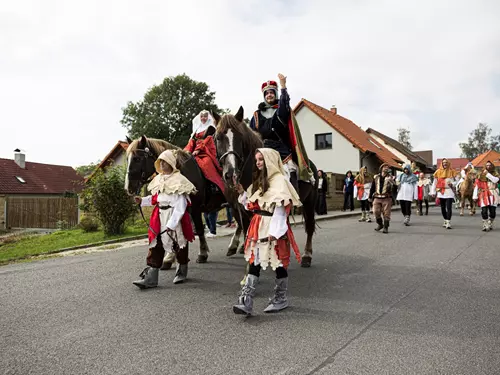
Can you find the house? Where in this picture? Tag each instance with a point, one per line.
(456, 163)
(480, 161)
(36, 195)
(117, 156)
(402, 152)
(336, 144)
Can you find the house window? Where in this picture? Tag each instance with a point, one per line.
(323, 141)
(20, 179)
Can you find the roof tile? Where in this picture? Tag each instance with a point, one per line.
(40, 178)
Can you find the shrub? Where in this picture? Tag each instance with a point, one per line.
(105, 196)
(89, 224)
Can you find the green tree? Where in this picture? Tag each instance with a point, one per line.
(479, 141)
(105, 197)
(404, 138)
(86, 170)
(167, 109)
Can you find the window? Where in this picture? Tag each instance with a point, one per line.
(323, 141)
(21, 180)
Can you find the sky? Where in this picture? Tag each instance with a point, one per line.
(67, 68)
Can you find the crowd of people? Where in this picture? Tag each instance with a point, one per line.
(273, 194)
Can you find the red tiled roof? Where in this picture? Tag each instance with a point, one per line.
(40, 178)
(357, 136)
(398, 146)
(456, 163)
(490, 155)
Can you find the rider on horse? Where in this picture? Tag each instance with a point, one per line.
(275, 122)
(202, 146)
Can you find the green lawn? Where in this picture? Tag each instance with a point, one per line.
(49, 243)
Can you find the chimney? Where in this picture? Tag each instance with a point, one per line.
(333, 109)
(20, 158)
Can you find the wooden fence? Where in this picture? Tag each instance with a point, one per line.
(42, 212)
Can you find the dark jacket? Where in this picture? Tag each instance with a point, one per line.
(348, 184)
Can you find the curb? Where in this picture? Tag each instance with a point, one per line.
(144, 236)
(97, 244)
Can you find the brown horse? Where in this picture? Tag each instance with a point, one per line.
(236, 146)
(141, 155)
(466, 191)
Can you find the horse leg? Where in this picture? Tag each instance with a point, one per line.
(462, 206)
(200, 231)
(310, 226)
(235, 242)
(472, 210)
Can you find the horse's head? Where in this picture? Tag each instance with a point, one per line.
(141, 156)
(229, 140)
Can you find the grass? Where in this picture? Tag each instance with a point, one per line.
(28, 246)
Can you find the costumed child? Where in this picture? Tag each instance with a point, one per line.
(170, 227)
(270, 239)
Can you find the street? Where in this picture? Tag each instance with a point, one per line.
(420, 300)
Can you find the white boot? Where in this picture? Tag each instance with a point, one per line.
(448, 224)
(485, 226)
(490, 223)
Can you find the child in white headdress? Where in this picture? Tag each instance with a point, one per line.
(170, 227)
(270, 239)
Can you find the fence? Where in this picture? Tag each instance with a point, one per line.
(41, 212)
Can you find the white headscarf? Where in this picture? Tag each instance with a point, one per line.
(198, 126)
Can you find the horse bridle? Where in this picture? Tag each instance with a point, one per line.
(147, 154)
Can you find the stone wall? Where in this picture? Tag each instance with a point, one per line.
(2, 212)
(335, 196)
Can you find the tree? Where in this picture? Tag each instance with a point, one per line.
(86, 170)
(105, 196)
(167, 109)
(480, 140)
(404, 138)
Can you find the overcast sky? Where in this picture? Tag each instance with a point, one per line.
(67, 68)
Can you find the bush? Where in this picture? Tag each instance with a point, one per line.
(105, 196)
(89, 224)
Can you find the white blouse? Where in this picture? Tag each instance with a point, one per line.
(169, 218)
(448, 191)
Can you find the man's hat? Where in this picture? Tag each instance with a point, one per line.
(270, 85)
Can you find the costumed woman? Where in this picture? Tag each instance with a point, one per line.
(362, 185)
(321, 208)
(170, 227)
(407, 182)
(423, 192)
(270, 239)
(445, 180)
(486, 193)
(202, 146)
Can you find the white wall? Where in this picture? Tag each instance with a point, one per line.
(340, 158)
(391, 149)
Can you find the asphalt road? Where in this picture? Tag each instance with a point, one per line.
(420, 300)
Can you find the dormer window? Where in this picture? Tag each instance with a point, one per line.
(20, 179)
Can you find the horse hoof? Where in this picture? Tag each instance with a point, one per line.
(306, 262)
(202, 259)
(230, 252)
(166, 266)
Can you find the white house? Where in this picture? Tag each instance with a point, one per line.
(117, 156)
(336, 144)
